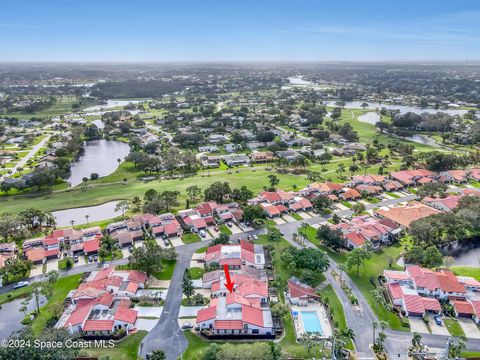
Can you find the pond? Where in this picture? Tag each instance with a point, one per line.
(100, 157)
(403, 108)
(95, 213)
(12, 317)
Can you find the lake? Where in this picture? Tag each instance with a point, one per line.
(100, 157)
(12, 317)
(466, 255)
(369, 117)
(96, 213)
(110, 104)
(403, 108)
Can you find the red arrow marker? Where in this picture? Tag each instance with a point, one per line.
(229, 284)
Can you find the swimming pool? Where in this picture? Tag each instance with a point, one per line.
(311, 323)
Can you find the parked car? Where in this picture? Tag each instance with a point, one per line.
(90, 258)
(187, 326)
(202, 233)
(21, 284)
(255, 237)
(75, 259)
(229, 224)
(95, 258)
(438, 321)
(216, 228)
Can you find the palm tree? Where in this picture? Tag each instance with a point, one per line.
(348, 333)
(416, 340)
(374, 327)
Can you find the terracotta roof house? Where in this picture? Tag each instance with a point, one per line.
(262, 156)
(299, 293)
(446, 204)
(244, 253)
(101, 304)
(405, 215)
(350, 194)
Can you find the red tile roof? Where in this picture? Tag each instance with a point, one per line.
(98, 325)
(297, 289)
(137, 276)
(463, 307)
(205, 314)
(252, 315)
(91, 246)
(228, 324)
(126, 315)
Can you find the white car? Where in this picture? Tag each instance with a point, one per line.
(21, 284)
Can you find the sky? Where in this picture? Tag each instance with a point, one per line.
(244, 30)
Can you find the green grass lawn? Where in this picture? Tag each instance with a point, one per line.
(346, 204)
(201, 250)
(471, 354)
(391, 194)
(62, 264)
(61, 289)
(225, 229)
(337, 307)
(296, 216)
(167, 271)
(15, 294)
(466, 271)
(453, 327)
(190, 238)
(196, 273)
(125, 349)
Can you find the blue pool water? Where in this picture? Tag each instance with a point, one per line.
(311, 323)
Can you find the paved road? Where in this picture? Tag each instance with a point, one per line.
(27, 157)
(167, 335)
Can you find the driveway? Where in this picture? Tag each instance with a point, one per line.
(469, 328)
(36, 270)
(418, 325)
(189, 310)
(304, 215)
(235, 229)
(176, 241)
(279, 221)
(145, 324)
(341, 207)
(52, 265)
(212, 231)
(149, 311)
(288, 218)
(437, 329)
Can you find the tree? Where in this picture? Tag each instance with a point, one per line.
(357, 257)
(273, 234)
(358, 208)
(448, 261)
(14, 270)
(322, 203)
(221, 239)
(432, 257)
(252, 212)
(217, 191)
(148, 258)
(194, 193)
(273, 181)
(137, 203)
(329, 237)
(122, 206)
(211, 353)
(157, 355)
(187, 285)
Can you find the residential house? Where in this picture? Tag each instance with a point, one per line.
(405, 215)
